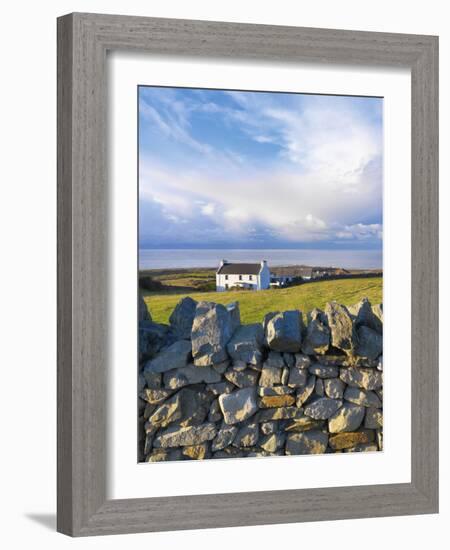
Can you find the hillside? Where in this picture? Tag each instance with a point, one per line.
(253, 305)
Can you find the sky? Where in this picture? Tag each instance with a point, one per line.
(229, 169)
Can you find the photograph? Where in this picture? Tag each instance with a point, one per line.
(260, 273)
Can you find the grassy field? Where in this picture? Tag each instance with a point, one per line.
(254, 305)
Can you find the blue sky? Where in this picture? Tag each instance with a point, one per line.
(226, 169)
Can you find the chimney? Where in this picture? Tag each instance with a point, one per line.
(223, 262)
(263, 263)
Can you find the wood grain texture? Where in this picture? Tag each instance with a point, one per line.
(83, 197)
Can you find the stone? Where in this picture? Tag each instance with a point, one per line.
(263, 391)
(224, 438)
(347, 419)
(363, 448)
(284, 331)
(164, 455)
(305, 393)
(175, 436)
(285, 376)
(373, 419)
(322, 408)
(317, 338)
(195, 405)
(192, 375)
(362, 397)
(319, 388)
(196, 452)
(302, 361)
(143, 313)
(275, 359)
(379, 439)
(270, 401)
(238, 366)
(340, 322)
(380, 363)
(229, 452)
(272, 442)
(238, 405)
(152, 337)
(289, 359)
(152, 380)
(297, 377)
(323, 371)
(268, 428)
(334, 388)
(154, 397)
(221, 367)
(182, 317)
(242, 379)
(246, 344)
(304, 424)
(221, 387)
(215, 414)
(346, 440)
(167, 413)
(212, 329)
(370, 343)
(305, 443)
(279, 413)
(347, 361)
(270, 376)
(247, 436)
(365, 316)
(378, 311)
(367, 379)
(174, 356)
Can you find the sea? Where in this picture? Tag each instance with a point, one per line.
(188, 258)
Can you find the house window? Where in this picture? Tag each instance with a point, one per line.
(240, 277)
(250, 277)
(226, 277)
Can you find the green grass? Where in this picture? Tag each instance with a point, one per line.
(254, 305)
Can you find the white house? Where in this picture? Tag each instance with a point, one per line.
(249, 276)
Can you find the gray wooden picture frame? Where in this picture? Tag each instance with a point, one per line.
(83, 41)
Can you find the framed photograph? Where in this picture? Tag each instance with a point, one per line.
(247, 274)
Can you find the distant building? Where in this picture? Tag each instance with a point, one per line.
(240, 275)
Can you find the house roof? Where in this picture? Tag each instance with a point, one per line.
(240, 269)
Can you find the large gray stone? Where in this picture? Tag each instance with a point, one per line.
(224, 438)
(284, 331)
(297, 377)
(242, 378)
(173, 357)
(176, 436)
(305, 443)
(152, 337)
(343, 333)
(368, 379)
(305, 393)
(182, 317)
(272, 442)
(246, 344)
(323, 371)
(167, 413)
(279, 413)
(323, 408)
(365, 316)
(238, 405)
(144, 314)
(334, 388)
(247, 435)
(347, 419)
(317, 338)
(373, 419)
(270, 375)
(370, 343)
(212, 329)
(190, 374)
(362, 397)
(275, 359)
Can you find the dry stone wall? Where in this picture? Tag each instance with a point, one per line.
(211, 387)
